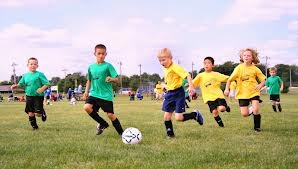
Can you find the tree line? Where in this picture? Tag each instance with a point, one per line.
(286, 72)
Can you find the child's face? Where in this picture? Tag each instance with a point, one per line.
(165, 60)
(272, 72)
(100, 55)
(247, 57)
(32, 65)
(208, 66)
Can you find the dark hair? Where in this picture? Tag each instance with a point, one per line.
(100, 46)
(210, 58)
(32, 58)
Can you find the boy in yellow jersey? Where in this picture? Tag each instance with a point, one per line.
(250, 80)
(159, 91)
(209, 82)
(175, 96)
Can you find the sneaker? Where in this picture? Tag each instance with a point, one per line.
(35, 127)
(44, 116)
(170, 134)
(100, 129)
(228, 109)
(257, 130)
(199, 117)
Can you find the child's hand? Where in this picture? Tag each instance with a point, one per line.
(226, 92)
(85, 96)
(259, 87)
(39, 90)
(191, 90)
(109, 79)
(13, 86)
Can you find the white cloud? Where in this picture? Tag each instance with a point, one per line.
(248, 11)
(293, 25)
(22, 3)
(169, 20)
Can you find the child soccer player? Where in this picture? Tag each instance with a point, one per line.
(159, 90)
(100, 76)
(175, 96)
(275, 85)
(185, 85)
(35, 83)
(209, 82)
(248, 89)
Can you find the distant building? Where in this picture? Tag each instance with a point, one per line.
(5, 89)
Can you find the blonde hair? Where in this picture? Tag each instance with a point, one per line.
(165, 51)
(255, 54)
(273, 69)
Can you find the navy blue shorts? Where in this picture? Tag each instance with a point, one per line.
(174, 101)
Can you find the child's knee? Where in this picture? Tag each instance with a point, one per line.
(111, 116)
(88, 108)
(221, 108)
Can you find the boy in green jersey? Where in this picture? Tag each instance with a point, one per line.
(35, 83)
(99, 91)
(275, 86)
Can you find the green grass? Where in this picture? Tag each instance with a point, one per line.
(68, 140)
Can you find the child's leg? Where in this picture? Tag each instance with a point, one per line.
(217, 118)
(257, 115)
(214, 106)
(32, 120)
(94, 115)
(168, 124)
(278, 103)
(274, 105)
(116, 123)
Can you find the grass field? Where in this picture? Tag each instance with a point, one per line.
(67, 139)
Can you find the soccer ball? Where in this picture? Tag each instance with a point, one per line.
(131, 135)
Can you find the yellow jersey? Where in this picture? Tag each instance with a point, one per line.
(209, 83)
(233, 85)
(174, 76)
(158, 88)
(246, 77)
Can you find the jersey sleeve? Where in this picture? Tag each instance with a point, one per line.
(267, 82)
(280, 81)
(89, 75)
(234, 74)
(22, 81)
(43, 79)
(222, 77)
(260, 75)
(181, 72)
(196, 80)
(112, 71)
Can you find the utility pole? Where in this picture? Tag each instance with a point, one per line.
(140, 75)
(266, 65)
(64, 70)
(192, 64)
(290, 77)
(120, 64)
(14, 72)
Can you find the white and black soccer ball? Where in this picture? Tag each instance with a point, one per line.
(131, 135)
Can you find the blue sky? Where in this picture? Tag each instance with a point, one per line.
(63, 33)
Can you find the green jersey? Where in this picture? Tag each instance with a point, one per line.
(97, 74)
(184, 87)
(32, 81)
(274, 83)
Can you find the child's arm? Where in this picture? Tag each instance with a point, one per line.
(14, 86)
(86, 93)
(259, 86)
(191, 89)
(41, 89)
(110, 79)
(227, 89)
(282, 86)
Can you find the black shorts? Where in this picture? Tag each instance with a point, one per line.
(275, 97)
(34, 104)
(214, 104)
(246, 102)
(105, 105)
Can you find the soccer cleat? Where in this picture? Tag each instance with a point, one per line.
(100, 129)
(228, 109)
(170, 134)
(44, 116)
(35, 127)
(257, 129)
(199, 117)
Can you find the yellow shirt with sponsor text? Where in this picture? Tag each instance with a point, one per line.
(174, 76)
(209, 83)
(158, 88)
(246, 77)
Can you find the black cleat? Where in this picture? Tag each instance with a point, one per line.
(100, 129)
(257, 130)
(44, 116)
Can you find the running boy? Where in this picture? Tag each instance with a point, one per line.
(35, 83)
(275, 85)
(175, 96)
(100, 76)
(248, 89)
(209, 82)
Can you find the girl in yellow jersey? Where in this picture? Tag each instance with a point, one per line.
(250, 80)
